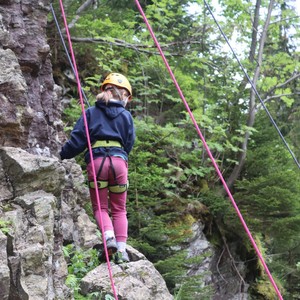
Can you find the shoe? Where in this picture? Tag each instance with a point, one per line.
(111, 245)
(121, 257)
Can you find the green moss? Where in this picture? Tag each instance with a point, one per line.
(5, 226)
(264, 290)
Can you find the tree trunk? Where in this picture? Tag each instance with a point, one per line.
(252, 104)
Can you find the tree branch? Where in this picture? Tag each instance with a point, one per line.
(218, 263)
(295, 76)
(280, 86)
(137, 47)
(242, 281)
(82, 8)
(278, 96)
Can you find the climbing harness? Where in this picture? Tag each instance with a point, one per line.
(208, 151)
(89, 148)
(115, 188)
(102, 184)
(254, 88)
(106, 143)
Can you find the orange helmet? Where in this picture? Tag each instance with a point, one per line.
(118, 80)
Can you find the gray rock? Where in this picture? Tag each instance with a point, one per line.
(32, 258)
(136, 280)
(27, 173)
(30, 115)
(4, 270)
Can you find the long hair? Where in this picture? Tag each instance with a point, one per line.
(115, 93)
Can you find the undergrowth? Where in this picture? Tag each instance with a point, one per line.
(80, 262)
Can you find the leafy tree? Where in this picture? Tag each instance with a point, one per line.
(169, 169)
(269, 197)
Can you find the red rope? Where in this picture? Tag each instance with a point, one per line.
(209, 152)
(89, 147)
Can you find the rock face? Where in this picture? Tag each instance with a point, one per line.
(30, 115)
(228, 273)
(32, 261)
(42, 212)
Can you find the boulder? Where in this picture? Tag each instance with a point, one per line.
(136, 280)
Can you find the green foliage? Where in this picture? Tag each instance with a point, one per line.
(5, 226)
(174, 270)
(80, 262)
(264, 290)
(171, 270)
(159, 165)
(218, 206)
(190, 288)
(169, 169)
(71, 115)
(163, 180)
(269, 199)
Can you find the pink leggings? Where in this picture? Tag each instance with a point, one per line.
(115, 203)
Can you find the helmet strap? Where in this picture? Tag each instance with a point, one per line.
(125, 101)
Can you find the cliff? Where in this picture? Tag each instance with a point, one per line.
(41, 207)
(42, 199)
(30, 101)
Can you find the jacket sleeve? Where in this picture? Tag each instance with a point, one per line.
(131, 136)
(77, 142)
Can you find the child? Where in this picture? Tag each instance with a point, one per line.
(112, 135)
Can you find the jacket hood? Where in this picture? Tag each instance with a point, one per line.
(112, 109)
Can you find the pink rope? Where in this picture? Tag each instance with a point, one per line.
(89, 148)
(209, 152)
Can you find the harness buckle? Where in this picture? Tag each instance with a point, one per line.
(100, 183)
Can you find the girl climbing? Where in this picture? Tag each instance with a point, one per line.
(112, 136)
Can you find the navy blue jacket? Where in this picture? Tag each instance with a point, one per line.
(106, 122)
